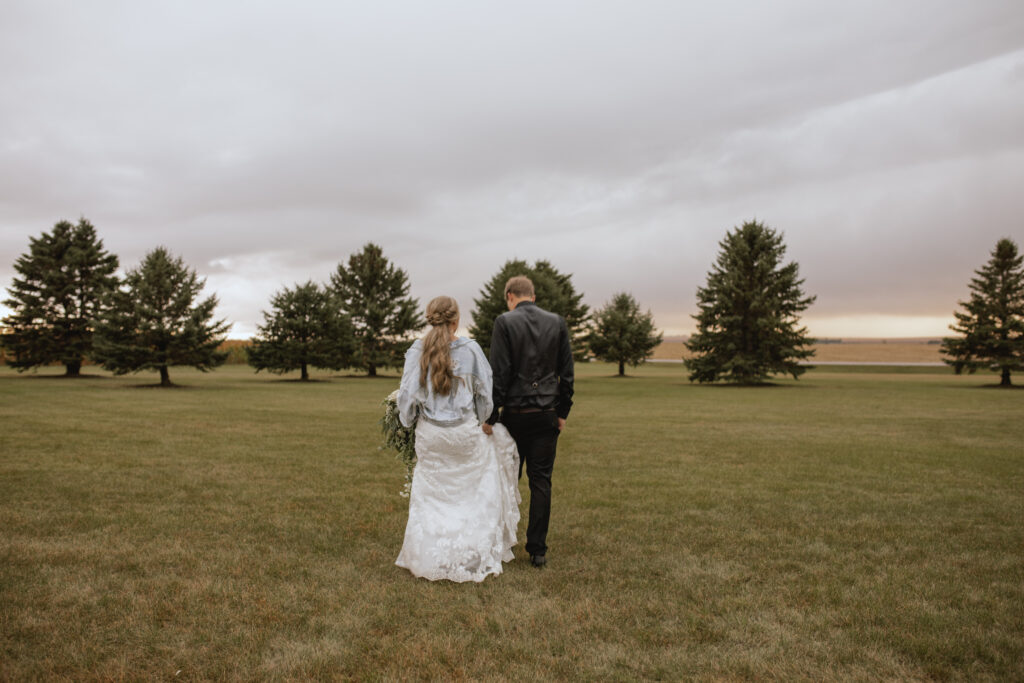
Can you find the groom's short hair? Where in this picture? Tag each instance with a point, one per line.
(520, 286)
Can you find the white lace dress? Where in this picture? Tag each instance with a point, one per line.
(464, 502)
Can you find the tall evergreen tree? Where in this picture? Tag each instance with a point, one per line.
(992, 323)
(305, 328)
(555, 293)
(62, 282)
(747, 324)
(622, 334)
(153, 322)
(375, 296)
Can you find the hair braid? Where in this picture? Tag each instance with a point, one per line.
(436, 361)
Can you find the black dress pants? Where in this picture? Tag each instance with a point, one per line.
(536, 436)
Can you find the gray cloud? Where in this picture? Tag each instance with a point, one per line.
(618, 140)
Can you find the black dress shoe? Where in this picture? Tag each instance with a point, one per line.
(538, 560)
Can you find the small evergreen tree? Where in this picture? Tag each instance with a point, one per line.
(304, 329)
(153, 322)
(622, 334)
(374, 294)
(555, 293)
(747, 324)
(992, 324)
(64, 278)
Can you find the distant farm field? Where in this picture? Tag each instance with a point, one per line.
(897, 351)
(865, 525)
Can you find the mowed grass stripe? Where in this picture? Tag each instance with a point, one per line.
(857, 525)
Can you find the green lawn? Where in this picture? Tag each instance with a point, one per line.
(855, 525)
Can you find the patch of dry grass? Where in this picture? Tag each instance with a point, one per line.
(848, 352)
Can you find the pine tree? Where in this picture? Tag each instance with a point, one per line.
(992, 324)
(555, 293)
(64, 277)
(153, 322)
(375, 295)
(747, 324)
(305, 328)
(622, 334)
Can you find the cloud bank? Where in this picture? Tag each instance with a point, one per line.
(618, 140)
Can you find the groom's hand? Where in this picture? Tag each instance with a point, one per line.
(488, 429)
(561, 423)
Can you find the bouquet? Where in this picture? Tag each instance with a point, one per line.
(400, 438)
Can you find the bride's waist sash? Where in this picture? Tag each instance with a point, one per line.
(447, 423)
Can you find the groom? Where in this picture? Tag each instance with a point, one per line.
(533, 376)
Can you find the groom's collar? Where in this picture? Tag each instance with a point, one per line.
(524, 302)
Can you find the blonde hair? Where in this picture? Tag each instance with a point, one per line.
(442, 311)
(520, 286)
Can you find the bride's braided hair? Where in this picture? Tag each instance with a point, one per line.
(437, 356)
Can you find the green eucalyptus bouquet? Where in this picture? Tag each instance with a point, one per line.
(399, 438)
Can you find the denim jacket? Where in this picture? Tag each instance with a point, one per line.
(471, 391)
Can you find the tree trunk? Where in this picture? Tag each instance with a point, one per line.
(305, 373)
(372, 371)
(622, 369)
(1005, 382)
(73, 369)
(165, 378)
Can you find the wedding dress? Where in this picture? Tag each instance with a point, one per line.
(464, 501)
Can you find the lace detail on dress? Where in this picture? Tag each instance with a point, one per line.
(464, 503)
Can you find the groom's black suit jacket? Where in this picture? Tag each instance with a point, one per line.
(532, 361)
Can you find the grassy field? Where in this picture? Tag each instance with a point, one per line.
(855, 525)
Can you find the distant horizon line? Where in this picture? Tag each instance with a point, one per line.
(841, 339)
(816, 340)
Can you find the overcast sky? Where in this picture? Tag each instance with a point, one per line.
(265, 142)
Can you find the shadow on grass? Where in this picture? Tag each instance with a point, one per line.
(759, 385)
(282, 380)
(989, 386)
(73, 378)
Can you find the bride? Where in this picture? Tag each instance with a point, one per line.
(464, 502)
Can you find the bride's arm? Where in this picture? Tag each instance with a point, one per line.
(483, 385)
(408, 405)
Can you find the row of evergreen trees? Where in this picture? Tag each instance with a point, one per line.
(363, 317)
(68, 304)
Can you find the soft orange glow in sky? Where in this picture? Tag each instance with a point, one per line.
(857, 326)
(887, 326)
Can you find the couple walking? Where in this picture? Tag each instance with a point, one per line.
(477, 424)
